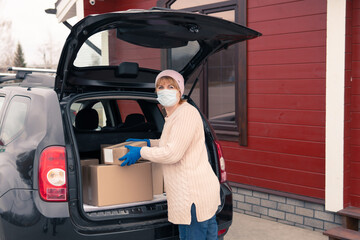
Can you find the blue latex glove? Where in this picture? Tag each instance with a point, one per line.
(132, 156)
(139, 140)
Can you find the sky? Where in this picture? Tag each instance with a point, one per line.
(33, 28)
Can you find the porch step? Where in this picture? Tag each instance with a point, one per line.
(350, 225)
(342, 233)
(353, 212)
(350, 217)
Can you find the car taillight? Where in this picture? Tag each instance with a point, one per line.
(52, 174)
(222, 232)
(221, 163)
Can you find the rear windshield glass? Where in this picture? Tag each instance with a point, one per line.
(2, 99)
(105, 49)
(110, 114)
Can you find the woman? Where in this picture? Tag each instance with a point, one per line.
(192, 188)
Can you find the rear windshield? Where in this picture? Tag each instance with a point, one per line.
(109, 113)
(105, 49)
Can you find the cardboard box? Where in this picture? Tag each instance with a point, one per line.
(114, 152)
(90, 161)
(113, 184)
(102, 146)
(85, 179)
(157, 178)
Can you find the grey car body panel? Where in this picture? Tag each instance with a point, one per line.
(23, 214)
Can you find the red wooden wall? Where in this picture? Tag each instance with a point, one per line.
(286, 97)
(120, 51)
(286, 100)
(352, 160)
(104, 6)
(347, 116)
(125, 52)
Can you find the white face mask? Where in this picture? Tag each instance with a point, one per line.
(167, 98)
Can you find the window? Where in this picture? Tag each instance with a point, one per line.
(2, 99)
(181, 56)
(191, 3)
(129, 107)
(98, 106)
(15, 118)
(105, 48)
(221, 90)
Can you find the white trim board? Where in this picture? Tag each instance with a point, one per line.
(67, 9)
(335, 104)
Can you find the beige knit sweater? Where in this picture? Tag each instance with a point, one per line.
(188, 175)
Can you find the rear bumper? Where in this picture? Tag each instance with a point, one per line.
(26, 220)
(225, 215)
(62, 229)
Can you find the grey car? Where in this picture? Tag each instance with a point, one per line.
(102, 94)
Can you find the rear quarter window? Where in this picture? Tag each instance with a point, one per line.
(15, 117)
(128, 107)
(2, 99)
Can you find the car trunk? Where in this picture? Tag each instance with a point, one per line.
(89, 144)
(133, 47)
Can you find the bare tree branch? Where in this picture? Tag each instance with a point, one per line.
(7, 44)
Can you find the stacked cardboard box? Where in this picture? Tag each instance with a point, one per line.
(112, 153)
(110, 184)
(157, 178)
(113, 184)
(85, 177)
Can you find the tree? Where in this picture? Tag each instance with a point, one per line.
(49, 53)
(7, 45)
(19, 59)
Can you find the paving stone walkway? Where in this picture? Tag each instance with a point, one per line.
(245, 227)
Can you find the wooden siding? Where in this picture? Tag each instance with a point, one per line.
(121, 51)
(286, 97)
(352, 163)
(286, 100)
(116, 5)
(347, 116)
(126, 52)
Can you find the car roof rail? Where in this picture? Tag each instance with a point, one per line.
(21, 72)
(42, 77)
(5, 77)
(7, 74)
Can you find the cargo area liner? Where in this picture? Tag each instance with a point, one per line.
(150, 209)
(157, 199)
